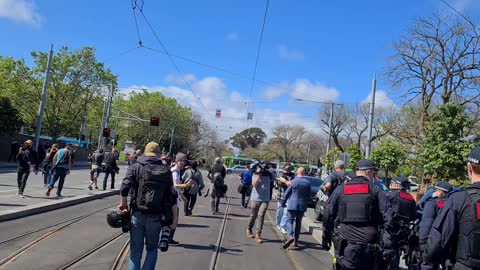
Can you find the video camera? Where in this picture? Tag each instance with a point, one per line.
(258, 164)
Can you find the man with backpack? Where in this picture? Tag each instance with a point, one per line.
(97, 160)
(62, 164)
(111, 168)
(217, 175)
(25, 157)
(180, 161)
(152, 201)
(194, 176)
(335, 178)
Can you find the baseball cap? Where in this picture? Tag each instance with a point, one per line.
(474, 156)
(366, 164)
(151, 149)
(444, 186)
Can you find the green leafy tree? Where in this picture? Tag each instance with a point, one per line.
(251, 137)
(9, 117)
(331, 157)
(389, 156)
(443, 154)
(355, 155)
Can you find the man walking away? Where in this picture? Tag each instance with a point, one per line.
(217, 177)
(194, 176)
(13, 151)
(260, 199)
(61, 167)
(246, 179)
(97, 160)
(111, 168)
(297, 195)
(151, 202)
(284, 181)
(47, 164)
(335, 178)
(26, 156)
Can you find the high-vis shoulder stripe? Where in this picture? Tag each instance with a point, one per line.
(406, 196)
(478, 210)
(440, 204)
(355, 189)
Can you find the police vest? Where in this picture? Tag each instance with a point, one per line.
(404, 206)
(468, 247)
(358, 203)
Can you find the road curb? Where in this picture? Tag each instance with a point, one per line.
(50, 206)
(315, 229)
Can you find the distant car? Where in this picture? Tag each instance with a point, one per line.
(321, 200)
(238, 169)
(315, 187)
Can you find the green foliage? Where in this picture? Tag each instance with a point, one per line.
(443, 155)
(9, 117)
(389, 156)
(355, 155)
(251, 137)
(147, 104)
(330, 158)
(259, 153)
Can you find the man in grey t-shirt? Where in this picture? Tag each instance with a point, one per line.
(261, 181)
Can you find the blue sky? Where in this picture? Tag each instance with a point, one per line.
(320, 50)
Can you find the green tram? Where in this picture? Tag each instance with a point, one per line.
(231, 161)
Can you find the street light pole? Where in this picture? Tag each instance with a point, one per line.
(43, 101)
(370, 119)
(330, 129)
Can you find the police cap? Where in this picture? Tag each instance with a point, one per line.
(444, 186)
(474, 156)
(366, 164)
(402, 181)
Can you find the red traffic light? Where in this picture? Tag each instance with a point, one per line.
(106, 132)
(154, 121)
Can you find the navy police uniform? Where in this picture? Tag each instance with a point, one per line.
(354, 214)
(430, 212)
(457, 227)
(399, 211)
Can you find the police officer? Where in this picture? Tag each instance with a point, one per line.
(354, 213)
(400, 209)
(457, 226)
(430, 211)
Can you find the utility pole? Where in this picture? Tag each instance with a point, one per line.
(43, 101)
(171, 142)
(308, 153)
(370, 119)
(330, 128)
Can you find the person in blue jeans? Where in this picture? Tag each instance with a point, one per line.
(146, 224)
(297, 195)
(246, 178)
(283, 181)
(62, 164)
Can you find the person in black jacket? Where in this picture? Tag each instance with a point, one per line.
(111, 168)
(217, 176)
(26, 156)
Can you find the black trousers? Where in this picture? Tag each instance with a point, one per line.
(190, 203)
(22, 177)
(109, 171)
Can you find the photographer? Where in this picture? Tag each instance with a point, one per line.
(152, 201)
(26, 156)
(260, 198)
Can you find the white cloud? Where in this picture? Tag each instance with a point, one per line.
(171, 78)
(213, 95)
(304, 89)
(381, 100)
(23, 11)
(290, 54)
(463, 5)
(232, 36)
(275, 91)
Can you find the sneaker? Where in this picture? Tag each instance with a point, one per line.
(172, 242)
(90, 188)
(283, 230)
(96, 188)
(22, 196)
(295, 244)
(59, 195)
(163, 246)
(48, 192)
(258, 238)
(249, 233)
(289, 241)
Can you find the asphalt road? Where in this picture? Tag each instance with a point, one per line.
(197, 236)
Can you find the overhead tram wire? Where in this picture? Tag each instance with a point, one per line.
(171, 60)
(121, 54)
(134, 6)
(461, 15)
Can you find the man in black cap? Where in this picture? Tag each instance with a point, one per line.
(430, 211)
(355, 214)
(400, 210)
(457, 225)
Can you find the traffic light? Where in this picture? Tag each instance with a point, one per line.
(154, 121)
(106, 132)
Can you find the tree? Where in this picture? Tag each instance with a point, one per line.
(388, 155)
(355, 155)
(251, 137)
(286, 142)
(443, 154)
(340, 120)
(76, 80)
(9, 117)
(331, 157)
(437, 59)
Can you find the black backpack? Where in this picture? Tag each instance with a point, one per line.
(154, 188)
